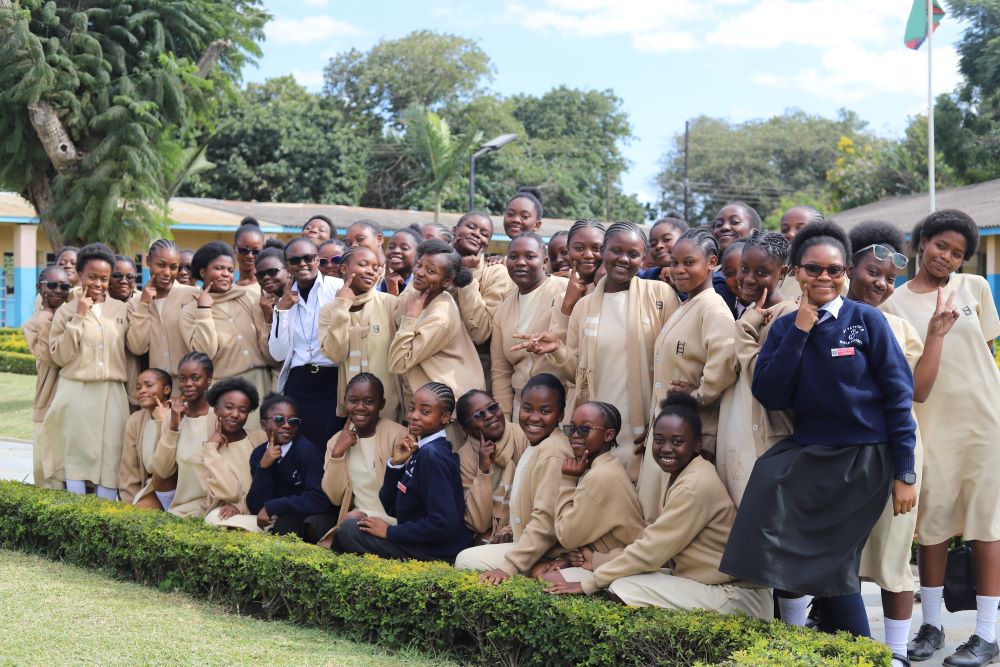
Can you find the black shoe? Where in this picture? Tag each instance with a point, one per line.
(928, 640)
(901, 659)
(973, 653)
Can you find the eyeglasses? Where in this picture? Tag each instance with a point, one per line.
(53, 285)
(243, 250)
(572, 429)
(280, 419)
(323, 261)
(489, 410)
(118, 275)
(268, 273)
(815, 270)
(304, 259)
(883, 253)
(184, 267)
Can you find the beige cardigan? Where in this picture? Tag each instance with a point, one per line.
(479, 300)
(224, 472)
(487, 496)
(88, 348)
(160, 335)
(132, 474)
(232, 332)
(510, 371)
(36, 333)
(190, 494)
(689, 535)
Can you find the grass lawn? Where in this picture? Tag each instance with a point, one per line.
(57, 614)
(17, 393)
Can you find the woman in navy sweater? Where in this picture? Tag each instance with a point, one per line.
(813, 499)
(422, 490)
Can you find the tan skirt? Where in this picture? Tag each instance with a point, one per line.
(86, 424)
(735, 451)
(261, 379)
(47, 464)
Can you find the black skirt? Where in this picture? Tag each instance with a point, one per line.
(314, 388)
(806, 515)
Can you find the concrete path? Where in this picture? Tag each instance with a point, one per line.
(15, 463)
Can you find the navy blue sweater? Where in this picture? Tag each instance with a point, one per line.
(722, 289)
(862, 398)
(291, 485)
(426, 497)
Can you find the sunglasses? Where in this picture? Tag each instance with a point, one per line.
(184, 267)
(304, 259)
(323, 261)
(815, 270)
(572, 429)
(243, 250)
(268, 273)
(53, 285)
(883, 253)
(280, 419)
(489, 410)
(118, 275)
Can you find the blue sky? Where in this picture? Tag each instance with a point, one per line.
(668, 60)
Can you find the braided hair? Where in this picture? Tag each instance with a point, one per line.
(199, 358)
(774, 245)
(625, 227)
(460, 275)
(612, 417)
(583, 223)
(444, 394)
(158, 245)
(371, 379)
(701, 238)
(162, 376)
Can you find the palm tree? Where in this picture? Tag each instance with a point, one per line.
(429, 142)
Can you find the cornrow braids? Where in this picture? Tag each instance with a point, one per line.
(226, 385)
(371, 225)
(162, 376)
(703, 239)
(677, 223)
(820, 233)
(530, 235)
(548, 381)
(158, 245)
(683, 405)
(446, 234)
(462, 405)
(625, 227)
(583, 223)
(812, 214)
(199, 358)
(460, 275)
(612, 417)
(371, 379)
(774, 245)
(444, 395)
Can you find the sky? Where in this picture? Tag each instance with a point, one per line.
(668, 60)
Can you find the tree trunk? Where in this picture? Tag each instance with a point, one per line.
(54, 137)
(211, 56)
(39, 193)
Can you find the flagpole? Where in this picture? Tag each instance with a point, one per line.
(930, 104)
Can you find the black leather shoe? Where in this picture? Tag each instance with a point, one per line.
(973, 653)
(928, 640)
(901, 659)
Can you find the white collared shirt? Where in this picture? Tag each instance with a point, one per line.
(285, 447)
(420, 443)
(287, 343)
(830, 310)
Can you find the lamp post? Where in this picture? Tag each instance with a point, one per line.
(494, 144)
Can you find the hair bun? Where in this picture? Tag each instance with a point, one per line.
(679, 399)
(533, 191)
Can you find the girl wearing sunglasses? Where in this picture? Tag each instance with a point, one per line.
(837, 365)
(248, 241)
(331, 255)
(121, 287)
(492, 449)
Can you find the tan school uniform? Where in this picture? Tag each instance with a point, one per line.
(885, 558)
(142, 432)
(478, 303)
(234, 335)
(746, 428)
(960, 421)
(532, 511)
(358, 341)
(156, 328)
(175, 453)
(675, 562)
(224, 473)
(522, 313)
(434, 347)
(46, 461)
(487, 495)
(696, 346)
(587, 356)
(86, 420)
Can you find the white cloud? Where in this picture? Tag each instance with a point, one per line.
(312, 79)
(309, 29)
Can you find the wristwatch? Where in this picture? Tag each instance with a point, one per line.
(907, 478)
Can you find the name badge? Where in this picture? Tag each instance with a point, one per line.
(401, 487)
(842, 352)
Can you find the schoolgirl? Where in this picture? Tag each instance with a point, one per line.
(319, 229)
(662, 237)
(367, 233)
(734, 222)
(689, 533)
(400, 256)
(142, 432)
(692, 353)
(533, 488)
(487, 461)
(527, 309)
(248, 241)
(837, 365)
(357, 327)
(960, 427)
(86, 419)
(66, 259)
(422, 489)
(184, 275)
(558, 253)
(331, 253)
(585, 244)
(729, 267)
(523, 213)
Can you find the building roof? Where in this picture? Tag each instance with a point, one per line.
(981, 201)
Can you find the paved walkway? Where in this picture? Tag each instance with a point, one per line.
(15, 463)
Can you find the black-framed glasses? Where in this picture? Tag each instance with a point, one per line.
(882, 253)
(243, 250)
(118, 275)
(56, 286)
(280, 419)
(268, 273)
(323, 261)
(816, 270)
(572, 429)
(303, 259)
(489, 411)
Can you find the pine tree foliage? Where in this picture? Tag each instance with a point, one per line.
(101, 101)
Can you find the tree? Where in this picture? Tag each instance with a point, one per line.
(99, 100)
(279, 142)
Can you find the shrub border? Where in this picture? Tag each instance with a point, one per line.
(16, 362)
(393, 603)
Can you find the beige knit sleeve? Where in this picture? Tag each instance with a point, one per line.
(334, 330)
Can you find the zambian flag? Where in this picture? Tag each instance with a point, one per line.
(916, 25)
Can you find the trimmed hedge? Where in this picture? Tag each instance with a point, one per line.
(15, 362)
(393, 603)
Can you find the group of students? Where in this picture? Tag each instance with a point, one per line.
(690, 420)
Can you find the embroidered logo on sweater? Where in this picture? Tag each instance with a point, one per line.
(659, 305)
(375, 328)
(967, 311)
(680, 348)
(851, 335)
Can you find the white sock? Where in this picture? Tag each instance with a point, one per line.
(107, 493)
(930, 604)
(793, 610)
(897, 633)
(165, 498)
(77, 486)
(986, 617)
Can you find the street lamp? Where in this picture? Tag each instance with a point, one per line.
(494, 144)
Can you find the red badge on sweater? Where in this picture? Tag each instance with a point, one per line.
(401, 486)
(842, 352)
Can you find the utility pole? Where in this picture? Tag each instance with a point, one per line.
(687, 183)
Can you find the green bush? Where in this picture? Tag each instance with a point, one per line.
(13, 340)
(396, 603)
(15, 362)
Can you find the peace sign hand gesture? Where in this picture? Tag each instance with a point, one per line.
(945, 315)
(576, 288)
(204, 298)
(345, 292)
(538, 343)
